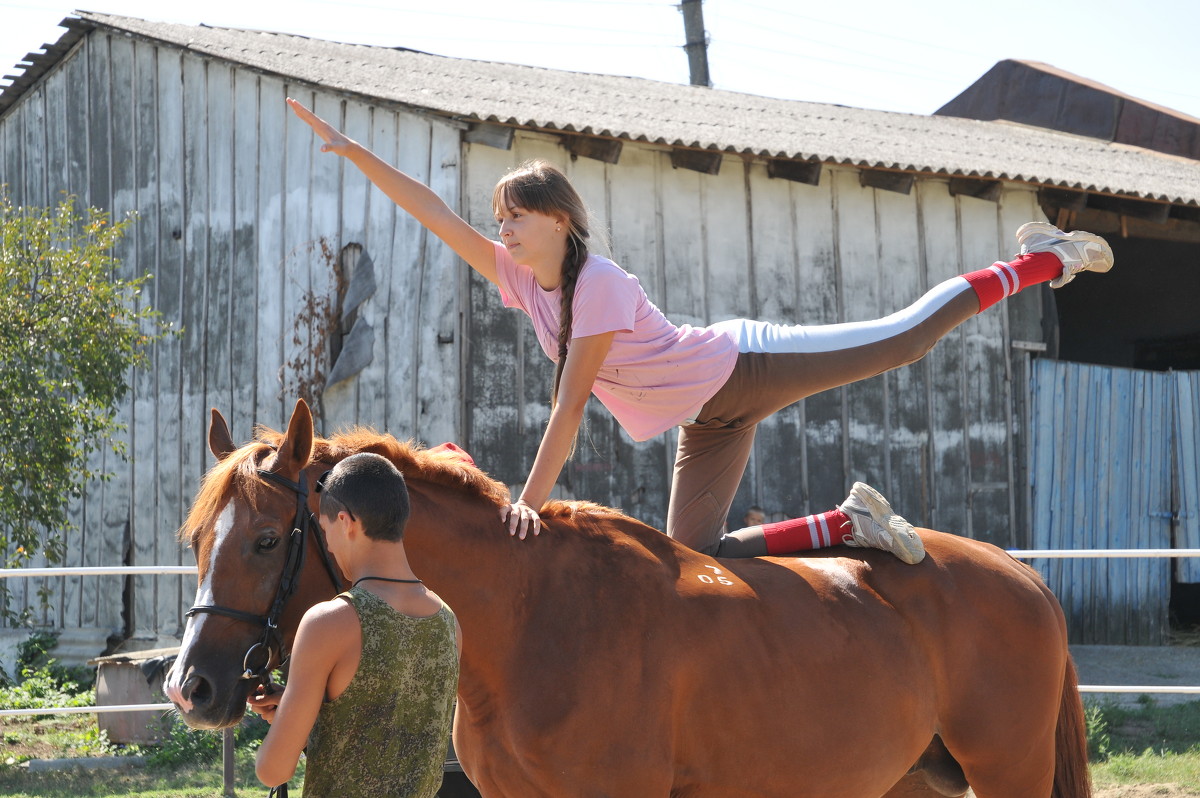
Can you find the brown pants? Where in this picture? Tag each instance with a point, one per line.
(713, 451)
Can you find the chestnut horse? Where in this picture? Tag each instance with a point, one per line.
(602, 658)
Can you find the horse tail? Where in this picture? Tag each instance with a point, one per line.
(1071, 777)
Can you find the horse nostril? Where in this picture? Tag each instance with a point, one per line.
(197, 691)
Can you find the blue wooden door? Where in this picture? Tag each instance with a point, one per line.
(1187, 471)
(1101, 472)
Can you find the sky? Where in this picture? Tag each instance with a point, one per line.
(908, 57)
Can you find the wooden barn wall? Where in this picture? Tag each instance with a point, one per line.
(241, 220)
(939, 437)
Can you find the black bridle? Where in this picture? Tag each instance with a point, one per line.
(271, 641)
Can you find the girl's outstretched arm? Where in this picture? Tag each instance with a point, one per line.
(413, 196)
(579, 374)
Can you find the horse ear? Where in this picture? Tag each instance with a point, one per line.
(297, 446)
(220, 442)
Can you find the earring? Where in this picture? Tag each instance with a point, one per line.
(558, 228)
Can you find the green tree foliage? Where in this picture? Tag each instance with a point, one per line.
(71, 331)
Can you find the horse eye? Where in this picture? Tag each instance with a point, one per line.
(266, 544)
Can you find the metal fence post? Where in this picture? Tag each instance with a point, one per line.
(227, 757)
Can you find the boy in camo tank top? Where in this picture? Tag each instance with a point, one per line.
(373, 671)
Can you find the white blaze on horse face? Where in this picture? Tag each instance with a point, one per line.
(173, 687)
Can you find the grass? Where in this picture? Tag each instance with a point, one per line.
(186, 764)
(1148, 744)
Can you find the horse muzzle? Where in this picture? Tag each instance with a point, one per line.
(207, 700)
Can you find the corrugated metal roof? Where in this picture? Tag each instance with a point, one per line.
(638, 109)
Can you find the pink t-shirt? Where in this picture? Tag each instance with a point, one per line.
(656, 375)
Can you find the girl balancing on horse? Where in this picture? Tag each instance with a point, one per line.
(715, 383)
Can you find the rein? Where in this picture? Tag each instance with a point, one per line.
(302, 524)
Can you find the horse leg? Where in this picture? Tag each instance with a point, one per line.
(1023, 769)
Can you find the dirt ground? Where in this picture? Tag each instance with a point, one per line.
(1143, 666)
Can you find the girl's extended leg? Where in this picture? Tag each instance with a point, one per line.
(780, 365)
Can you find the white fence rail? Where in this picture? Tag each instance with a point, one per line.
(4, 713)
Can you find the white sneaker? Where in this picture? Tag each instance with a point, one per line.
(874, 525)
(1078, 251)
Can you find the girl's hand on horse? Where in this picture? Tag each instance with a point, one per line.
(521, 519)
(335, 140)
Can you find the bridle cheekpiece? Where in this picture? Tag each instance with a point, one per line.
(271, 641)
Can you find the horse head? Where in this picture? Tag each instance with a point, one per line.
(251, 528)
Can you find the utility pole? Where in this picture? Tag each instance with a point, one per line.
(697, 41)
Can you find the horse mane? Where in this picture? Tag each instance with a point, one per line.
(441, 467)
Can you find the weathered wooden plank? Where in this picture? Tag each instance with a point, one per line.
(171, 492)
(683, 299)
(300, 249)
(905, 390)
(938, 215)
(493, 367)
(439, 335)
(863, 413)
(243, 247)
(814, 211)
(987, 402)
(277, 139)
(76, 123)
(341, 401)
(728, 263)
(68, 123)
(313, 314)
(118, 492)
(32, 185)
(145, 529)
(194, 457)
(10, 150)
(380, 219)
(97, 550)
(56, 133)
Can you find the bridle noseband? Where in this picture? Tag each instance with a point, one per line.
(271, 641)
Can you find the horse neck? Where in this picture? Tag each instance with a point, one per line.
(458, 547)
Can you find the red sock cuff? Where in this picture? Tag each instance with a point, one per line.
(1037, 267)
(1002, 280)
(803, 534)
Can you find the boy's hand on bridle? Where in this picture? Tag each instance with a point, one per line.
(265, 701)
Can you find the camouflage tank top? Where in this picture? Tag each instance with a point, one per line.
(386, 735)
